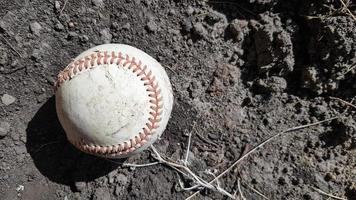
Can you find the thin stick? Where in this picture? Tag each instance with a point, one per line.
(64, 5)
(343, 101)
(9, 44)
(260, 145)
(196, 178)
(170, 68)
(14, 70)
(347, 9)
(189, 141)
(187, 153)
(240, 191)
(139, 165)
(353, 66)
(256, 191)
(326, 194)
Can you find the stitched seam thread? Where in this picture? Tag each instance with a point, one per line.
(145, 75)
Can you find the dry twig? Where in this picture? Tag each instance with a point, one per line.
(139, 165)
(64, 5)
(189, 141)
(9, 44)
(261, 145)
(240, 191)
(184, 170)
(326, 194)
(256, 191)
(347, 9)
(201, 183)
(350, 68)
(189, 173)
(345, 102)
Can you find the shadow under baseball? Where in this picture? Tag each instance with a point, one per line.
(55, 157)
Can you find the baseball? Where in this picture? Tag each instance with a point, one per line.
(113, 100)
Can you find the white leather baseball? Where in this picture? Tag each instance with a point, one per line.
(113, 100)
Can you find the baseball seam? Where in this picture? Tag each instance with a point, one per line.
(136, 66)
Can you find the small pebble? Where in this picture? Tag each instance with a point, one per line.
(57, 5)
(190, 10)
(98, 3)
(59, 26)
(41, 98)
(199, 30)
(71, 24)
(35, 28)
(187, 25)
(7, 99)
(171, 12)
(106, 35)
(151, 26)
(126, 26)
(4, 129)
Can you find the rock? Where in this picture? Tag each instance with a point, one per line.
(126, 26)
(151, 26)
(80, 186)
(36, 55)
(35, 28)
(71, 35)
(187, 25)
(59, 26)
(7, 99)
(199, 30)
(98, 3)
(57, 6)
(171, 12)
(71, 24)
(4, 129)
(189, 10)
(2, 26)
(41, 98)
(105, 35)
(84, 38)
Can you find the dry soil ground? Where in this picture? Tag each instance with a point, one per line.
(241, 71)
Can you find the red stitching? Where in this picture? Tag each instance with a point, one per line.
(154, 93)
